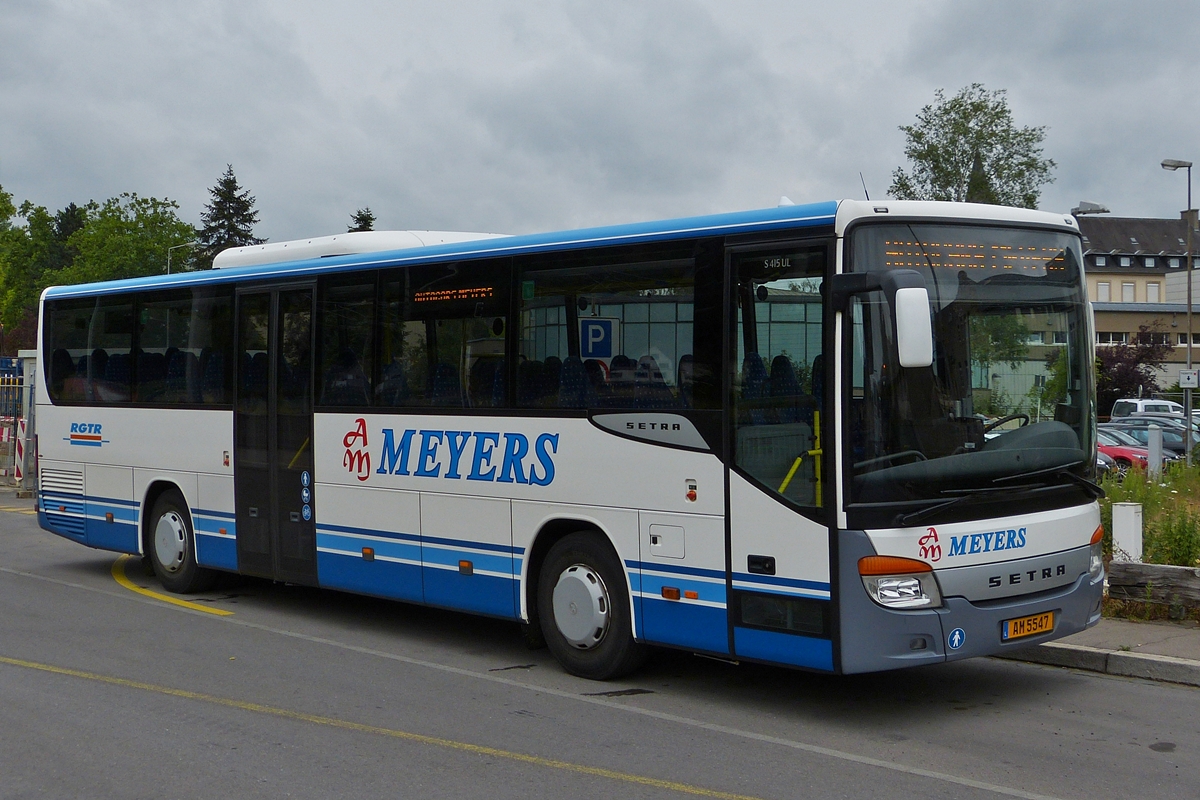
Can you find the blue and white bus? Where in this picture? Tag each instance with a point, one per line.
(791, 435)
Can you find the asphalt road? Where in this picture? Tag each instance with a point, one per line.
(107, 692)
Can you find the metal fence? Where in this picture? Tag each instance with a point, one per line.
(12, 396)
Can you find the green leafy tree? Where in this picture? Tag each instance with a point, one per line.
(967, 148)
(124, 237)
(362, 220)
(7, 210)
(228, 220)
(31, 256)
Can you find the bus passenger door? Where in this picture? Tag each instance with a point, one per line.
(273, 453)
(778, 486)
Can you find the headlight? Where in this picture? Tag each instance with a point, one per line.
(1096, 561)
(901, 583)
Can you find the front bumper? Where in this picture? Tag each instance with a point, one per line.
(873, 638)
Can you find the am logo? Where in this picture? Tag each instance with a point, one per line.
(357, 459)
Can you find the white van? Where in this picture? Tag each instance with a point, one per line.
(1123, 408)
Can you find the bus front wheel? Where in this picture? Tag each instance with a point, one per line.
(173, 548)
(583, 606)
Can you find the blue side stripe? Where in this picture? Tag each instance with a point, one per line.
(772, 580)
(349, 545)
(323, 526)
(482, 563)
(498, 548)
(676, 569)
(216, 514)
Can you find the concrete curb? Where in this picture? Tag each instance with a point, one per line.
(1111, 662)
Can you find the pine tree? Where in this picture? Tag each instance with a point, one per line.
(362, 220)
(228, 220)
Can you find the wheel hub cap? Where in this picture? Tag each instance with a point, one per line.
(581, 606)
(170, 537)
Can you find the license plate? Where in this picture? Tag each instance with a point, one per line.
(1028, 626)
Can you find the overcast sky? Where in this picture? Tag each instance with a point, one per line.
(527, 116)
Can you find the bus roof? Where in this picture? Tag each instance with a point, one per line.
(830, 214)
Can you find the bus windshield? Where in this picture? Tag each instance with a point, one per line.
(1006, 405)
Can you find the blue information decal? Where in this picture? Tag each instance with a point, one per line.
(306, 495)
(599, 337)
(305, 478)
(306, 512)
(954, 640)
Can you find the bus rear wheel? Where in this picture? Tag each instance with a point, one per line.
(172, 548)
(583, 607)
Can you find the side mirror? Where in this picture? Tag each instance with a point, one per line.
(906, 294)
(914, 333)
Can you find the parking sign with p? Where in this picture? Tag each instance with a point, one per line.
(599, 337)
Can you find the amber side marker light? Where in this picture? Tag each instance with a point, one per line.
(899, 583)
(891, 565)
(1096, 556)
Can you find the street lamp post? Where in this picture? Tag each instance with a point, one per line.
(1174, 164)
(176, 247)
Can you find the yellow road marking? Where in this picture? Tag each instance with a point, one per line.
(333, 722)
(19, 509)
(118, 573)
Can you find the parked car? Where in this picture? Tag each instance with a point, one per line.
(1104, 465)
(1124, 450)
(1172, 419)
(1172, 436)
(1123, 408)
(1146, 419)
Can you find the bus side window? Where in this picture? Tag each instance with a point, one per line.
(178, 334)
(608, 332)
(441, 339)
(346, 320)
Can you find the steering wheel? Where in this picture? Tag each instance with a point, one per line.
(1023, 417)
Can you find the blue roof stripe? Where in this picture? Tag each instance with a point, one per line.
(765, 219)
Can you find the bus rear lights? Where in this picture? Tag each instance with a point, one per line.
(902, 583)
(466, 568)
(368, 553)
(1096, 556)
(670, 592)
(108, 517)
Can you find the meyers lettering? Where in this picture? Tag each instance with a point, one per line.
(494, 456)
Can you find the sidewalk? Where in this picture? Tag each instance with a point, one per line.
(1161, 651)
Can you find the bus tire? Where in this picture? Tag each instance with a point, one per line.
(172, 548)
(583, 606)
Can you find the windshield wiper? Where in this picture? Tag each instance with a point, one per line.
(1063, 471)
(913, 517)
